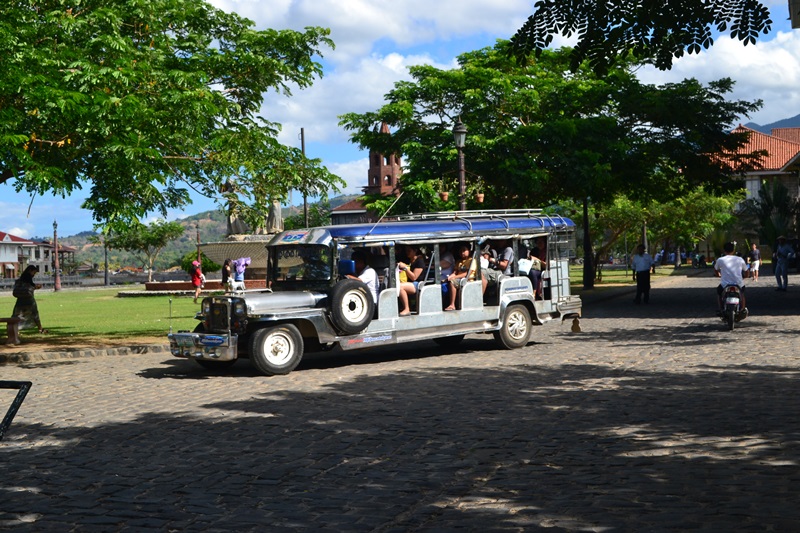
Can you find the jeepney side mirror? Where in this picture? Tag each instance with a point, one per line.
(346, 267)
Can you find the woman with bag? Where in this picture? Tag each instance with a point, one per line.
(26, 309)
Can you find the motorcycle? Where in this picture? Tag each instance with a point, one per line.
(732, 306)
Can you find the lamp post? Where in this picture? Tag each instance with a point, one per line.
(56, 265)
(460, 136)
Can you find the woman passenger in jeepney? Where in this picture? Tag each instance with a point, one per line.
(538, 264)
(466, 267)
(410, 275)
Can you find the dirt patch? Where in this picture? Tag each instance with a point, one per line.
(41, 344)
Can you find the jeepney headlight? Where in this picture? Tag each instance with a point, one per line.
(206, 307)
(239, 308)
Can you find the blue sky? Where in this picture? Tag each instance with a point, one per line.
(376, 42)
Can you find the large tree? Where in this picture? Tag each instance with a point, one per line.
(539, 133)
(139, 100)
(655, 30)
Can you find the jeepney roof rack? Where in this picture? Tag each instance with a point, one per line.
(556, 221)
(480, 213)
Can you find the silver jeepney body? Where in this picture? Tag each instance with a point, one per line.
(309, 308)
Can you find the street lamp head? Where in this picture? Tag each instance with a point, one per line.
(460, 134)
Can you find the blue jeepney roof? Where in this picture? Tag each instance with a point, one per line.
(434, 226)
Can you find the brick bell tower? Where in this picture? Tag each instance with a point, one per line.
(384, 172)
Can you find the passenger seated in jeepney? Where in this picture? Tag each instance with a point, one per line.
(365, 273)
(448, 265)
(536, 257)
(411, 267)
(466, 268)
(502, 265)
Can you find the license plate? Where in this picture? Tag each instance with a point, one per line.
(184, 340)
(732, 301)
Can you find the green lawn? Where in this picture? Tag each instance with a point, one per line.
(96, 314)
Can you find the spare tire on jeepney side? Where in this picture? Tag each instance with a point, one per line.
(351, 306)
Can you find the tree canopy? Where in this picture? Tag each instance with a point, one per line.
(538, 133)
(654, 30)
(140, 100)
(145, 241)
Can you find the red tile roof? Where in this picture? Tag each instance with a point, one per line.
(788, 134)
(7, 237)
(352, 205)
(780, 152)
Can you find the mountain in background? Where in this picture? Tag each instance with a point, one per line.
(210, 226)
(793, 122)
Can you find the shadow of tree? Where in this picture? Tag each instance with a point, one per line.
(519, 448)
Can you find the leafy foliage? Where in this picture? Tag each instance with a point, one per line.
(139, 100)
(653, 30)
(539, 134)
(206, 264)
(775, 211)
(145, 241)
(319, 214)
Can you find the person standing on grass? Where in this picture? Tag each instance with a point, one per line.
(197, 279)
(26, 309)
(641, 265)
(226, 273)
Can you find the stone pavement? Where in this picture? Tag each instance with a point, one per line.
(654, 418)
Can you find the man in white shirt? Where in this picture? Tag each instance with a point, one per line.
(365, 273)
(641, 263)
(731, 269)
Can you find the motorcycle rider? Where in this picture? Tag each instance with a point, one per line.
(731, 269)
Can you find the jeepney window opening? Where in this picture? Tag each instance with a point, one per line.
(302, 262)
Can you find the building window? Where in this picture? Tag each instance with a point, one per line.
(753, 186)
(387, 180)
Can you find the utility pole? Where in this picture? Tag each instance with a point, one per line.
(305, 195)
(56, 265)
(197, 228)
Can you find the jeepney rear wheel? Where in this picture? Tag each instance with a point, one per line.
(208, 364)
(515, 330)
(276, 350)
(352, 306)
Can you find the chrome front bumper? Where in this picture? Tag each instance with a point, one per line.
(203, 346)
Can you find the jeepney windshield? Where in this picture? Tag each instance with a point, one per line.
(302, 262)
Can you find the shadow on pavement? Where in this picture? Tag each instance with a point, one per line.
(576, 447)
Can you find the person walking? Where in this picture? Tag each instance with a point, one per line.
(641, 265)
(783, 253)
(25, 308)
(226, 274)
(754, 258)
(198, 279)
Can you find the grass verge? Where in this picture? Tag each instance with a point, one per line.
(98, 316)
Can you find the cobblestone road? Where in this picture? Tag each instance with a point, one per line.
(654, 418)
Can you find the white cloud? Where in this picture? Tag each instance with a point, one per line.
(359, 89)
(357, 24)
(353, 172)
(768, 70)
(23, 232)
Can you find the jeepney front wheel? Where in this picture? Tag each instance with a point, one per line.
(515, 330)
(276, 350)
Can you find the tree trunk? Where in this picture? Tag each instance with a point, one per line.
(588, 267)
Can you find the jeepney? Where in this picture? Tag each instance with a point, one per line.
(310, 305)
